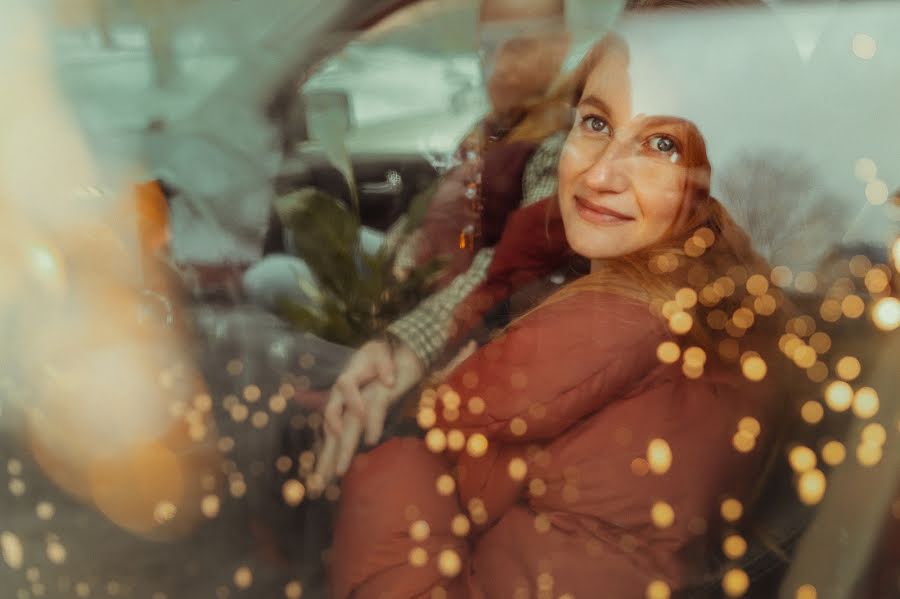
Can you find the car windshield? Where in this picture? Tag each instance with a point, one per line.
(450, 299)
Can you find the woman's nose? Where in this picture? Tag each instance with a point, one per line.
(609, 171)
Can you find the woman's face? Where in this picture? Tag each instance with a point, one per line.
(623, 178)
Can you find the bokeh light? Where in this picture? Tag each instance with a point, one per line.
(243, 577)
(877, 192)
(460, 525)
(865, 402)
(886, 313)
(293, 492)
(876, 280)
(657, 589)
(11, 550)
(811, 486)
(754, 368)
(838, 396)
(293, 590)
(864, 46)
(477, 445)
(806, 591)
(417, 557)
(681, 323)
(802, 459)
(662, 514)
(668, 352)
(782, 276)
(734, 546)
(833, 453)
(869, 454)
(517, 469)
(848, 368)
(853, 306)
(865, 169)
(731, 509)
(659, 456)
(419, 531)
(812, 411)
(445, 485)
(456, 440)
(735, 582)
(874, 434)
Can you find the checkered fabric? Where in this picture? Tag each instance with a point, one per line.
(426, 329)
(540, 179)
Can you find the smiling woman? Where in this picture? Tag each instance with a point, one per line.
(544, 430)
(633, 176)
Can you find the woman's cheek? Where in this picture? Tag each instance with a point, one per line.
(661, 204)
(568, 164)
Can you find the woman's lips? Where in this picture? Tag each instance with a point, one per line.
(599, 215)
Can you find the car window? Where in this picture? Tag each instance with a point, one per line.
(716, 412)
(416, 66)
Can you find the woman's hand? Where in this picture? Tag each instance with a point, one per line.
(355, 408)
(374, 361)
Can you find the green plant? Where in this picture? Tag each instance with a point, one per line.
(357, 294)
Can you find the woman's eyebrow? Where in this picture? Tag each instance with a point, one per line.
(664, 121)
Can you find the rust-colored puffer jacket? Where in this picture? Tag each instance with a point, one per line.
(576, 392)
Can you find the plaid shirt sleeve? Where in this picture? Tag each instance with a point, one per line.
(540, 178)
(426, 329)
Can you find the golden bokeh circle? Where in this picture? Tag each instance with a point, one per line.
(293, 590)
(668, 352)
(838, 396)
(811, 486)
(734, 546)
(806, 591)
(517, 469)
(417, 557)
(754, 368)
(833, 453)
(802, 458)
(731, 509)
(659, 456)
(449, 563)
(419, 531)
(445, 485)
(865, 402)
(657, 589)
(662, 514)
(735, 582)
(243, 577)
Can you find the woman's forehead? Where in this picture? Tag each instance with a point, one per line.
(608, 86)
(609, 89)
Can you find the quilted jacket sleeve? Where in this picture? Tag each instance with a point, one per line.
(553, 367)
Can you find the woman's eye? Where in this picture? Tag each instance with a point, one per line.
(664, 145)
(595, 124)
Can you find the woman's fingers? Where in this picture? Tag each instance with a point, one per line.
(349, 389)
(327, 460)
(376, 412)
(348, 442)
(334, 412)
(345, 425)
(384, 364)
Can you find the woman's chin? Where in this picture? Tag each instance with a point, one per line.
(597, 251)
